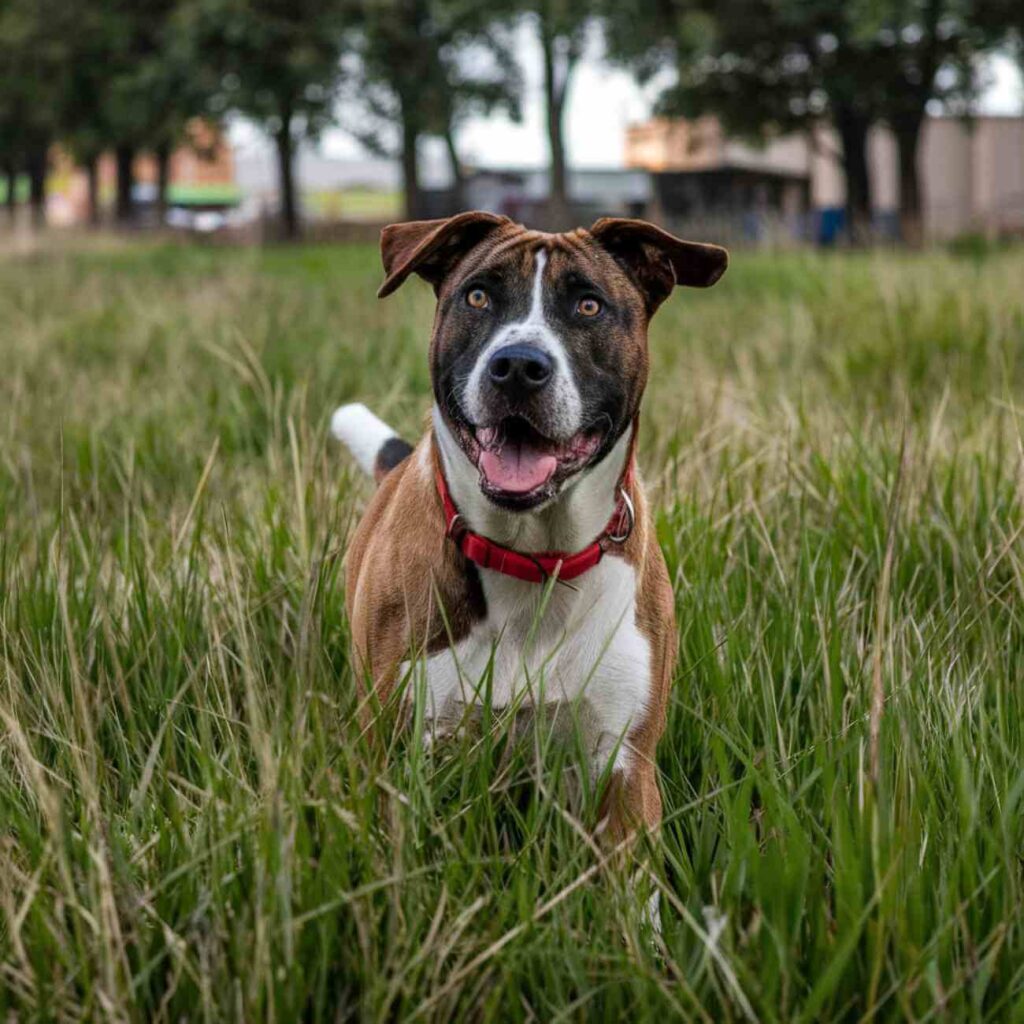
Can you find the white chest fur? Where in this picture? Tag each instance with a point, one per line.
(540, 646)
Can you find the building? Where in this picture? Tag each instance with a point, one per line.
(522, 193)
(201, 177)
(329, 188)
(972, 177)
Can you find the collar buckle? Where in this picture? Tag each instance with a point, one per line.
(629, 511)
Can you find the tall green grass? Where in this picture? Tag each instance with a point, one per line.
(194, 826)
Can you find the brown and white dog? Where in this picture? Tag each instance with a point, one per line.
(538, 361)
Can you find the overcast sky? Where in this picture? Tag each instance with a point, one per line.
(602, 102)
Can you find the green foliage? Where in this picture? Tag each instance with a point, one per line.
(428, 64)
(278, 62)
(194, 823)
(779, 65)
(95, 75)
(423, 67)
(272, 60)
(32, 58)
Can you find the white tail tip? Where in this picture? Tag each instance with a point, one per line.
(361, 432)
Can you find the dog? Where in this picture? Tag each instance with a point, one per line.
(515, 539)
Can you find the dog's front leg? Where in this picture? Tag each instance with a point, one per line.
(631, 806)
(631, 801)
(628, 725)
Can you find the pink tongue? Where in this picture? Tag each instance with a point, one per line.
(517, 468)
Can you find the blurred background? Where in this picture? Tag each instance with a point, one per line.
(774, 122)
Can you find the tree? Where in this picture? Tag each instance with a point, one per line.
(481, 75)
(399, 73)
(94, 48)
(174, 88)
(31, 59)
(562, 27)
(130, 43)
(776, 66)
(118, 84)
(278, 62)
(772, 66)
(925, 51)
(424, 66)
(153, 84)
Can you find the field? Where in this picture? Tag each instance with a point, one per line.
(193, 825)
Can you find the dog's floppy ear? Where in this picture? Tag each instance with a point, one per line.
(658, 261)
(431, 248)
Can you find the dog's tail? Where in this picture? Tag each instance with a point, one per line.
(375, 446)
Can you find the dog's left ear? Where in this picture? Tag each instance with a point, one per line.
(658, 261)
(431, 248)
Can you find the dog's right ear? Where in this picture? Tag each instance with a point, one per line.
(431, 248)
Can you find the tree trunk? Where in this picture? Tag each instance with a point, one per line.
(290, 226)
(852, 127)
(92, 177)
(12, 196)
(908, 136)
(124, 156)
(37, 186)
(411, 171)
(458, 177)
(556, 83)
(163, 177)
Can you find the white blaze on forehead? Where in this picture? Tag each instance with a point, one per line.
(563, 396)
(536, 315)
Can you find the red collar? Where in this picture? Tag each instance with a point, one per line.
(539, 568)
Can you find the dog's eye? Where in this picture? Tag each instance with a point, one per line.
(588, 306)
(478, 298)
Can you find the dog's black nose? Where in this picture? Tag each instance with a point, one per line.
(520, 369)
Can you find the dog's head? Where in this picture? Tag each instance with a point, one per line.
(539, 352)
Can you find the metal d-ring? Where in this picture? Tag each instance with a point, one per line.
(628, 502)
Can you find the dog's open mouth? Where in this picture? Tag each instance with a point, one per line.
(518, 464)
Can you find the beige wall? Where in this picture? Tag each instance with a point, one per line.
(945, 164)
(998, 178)
(664, 144)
